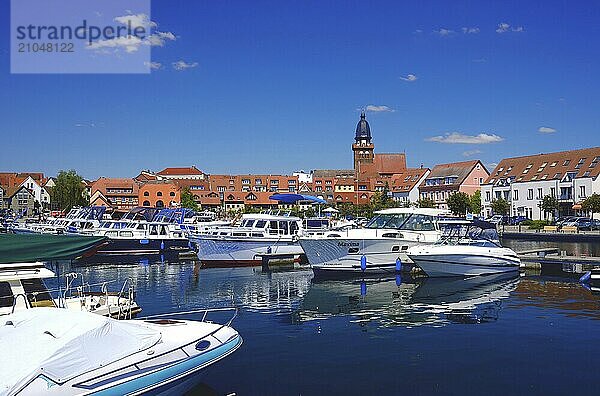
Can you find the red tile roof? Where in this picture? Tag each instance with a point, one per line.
(407, 180)
(551, 166)
(191, 170)
(390, 163)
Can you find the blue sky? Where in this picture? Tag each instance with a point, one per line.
(272, 87)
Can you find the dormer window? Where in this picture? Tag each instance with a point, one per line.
(580, 163)
(552, 165)
(566, 163)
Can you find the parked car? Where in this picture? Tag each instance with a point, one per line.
(582, 223)
(565, 219)
(516, 220)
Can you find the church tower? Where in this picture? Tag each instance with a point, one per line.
(363, 147)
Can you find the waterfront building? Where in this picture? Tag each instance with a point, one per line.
(20, 199)
(570, 176)
(2, 192)
(371, 173)
(117, 193)
(405, 186)
(37, 186)
(159, 193)
(34, 181)
(447, 179)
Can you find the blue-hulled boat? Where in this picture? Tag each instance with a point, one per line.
(51, 351)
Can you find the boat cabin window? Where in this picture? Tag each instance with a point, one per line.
(141, 226)
(36, 292)
(284, 227)
(6, 295)
(248, 223)
(294, 228)
(317, 223)
(260, 224)
(163, 230)
(403, 221)
(387, 221)
(418, 222)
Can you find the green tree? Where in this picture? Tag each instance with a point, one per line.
(475, 203)
(187, 199)
(549, 204)
(426, 203)
(69, 191)
(459, 203)
(592, 204)
(500, 206)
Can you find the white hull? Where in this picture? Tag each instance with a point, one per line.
(242, 251)
(344, 255)
(465, 264)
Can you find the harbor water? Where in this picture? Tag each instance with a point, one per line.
(527, 334)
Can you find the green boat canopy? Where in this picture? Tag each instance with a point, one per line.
(27, 248)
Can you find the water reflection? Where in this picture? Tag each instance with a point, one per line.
(394, 302)
(567, 298)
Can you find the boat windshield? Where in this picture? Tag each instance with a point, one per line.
(403, 221)
(469, 234)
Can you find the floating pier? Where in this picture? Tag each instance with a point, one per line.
(535, 258)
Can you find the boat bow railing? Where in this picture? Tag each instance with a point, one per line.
(204, 313)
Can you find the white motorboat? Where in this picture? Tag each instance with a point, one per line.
(466, 249)
(76, 221)
(48, 351)
(256, 235)
(22, 287)
(377, 247)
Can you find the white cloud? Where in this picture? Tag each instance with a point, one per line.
(457, 137)
(504, 27)
(418, 31)
(132, 43)
(409, 78)
(153, 65)
(546, 130)
(470, 153)
(129, 44)
(182, 65)
(137, 20)
(443, 32)
(158, 39)
(470, 30)
(479, 60)
(379, 109)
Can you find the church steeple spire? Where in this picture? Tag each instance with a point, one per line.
(363, 147)
(363, 130)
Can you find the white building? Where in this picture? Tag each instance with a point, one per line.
(404, 186)
(570, 176)
(40, 193)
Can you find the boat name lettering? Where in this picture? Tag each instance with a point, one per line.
(348, 244)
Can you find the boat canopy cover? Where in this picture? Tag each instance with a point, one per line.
(27, 248)
(293, 198)
(62, 344)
